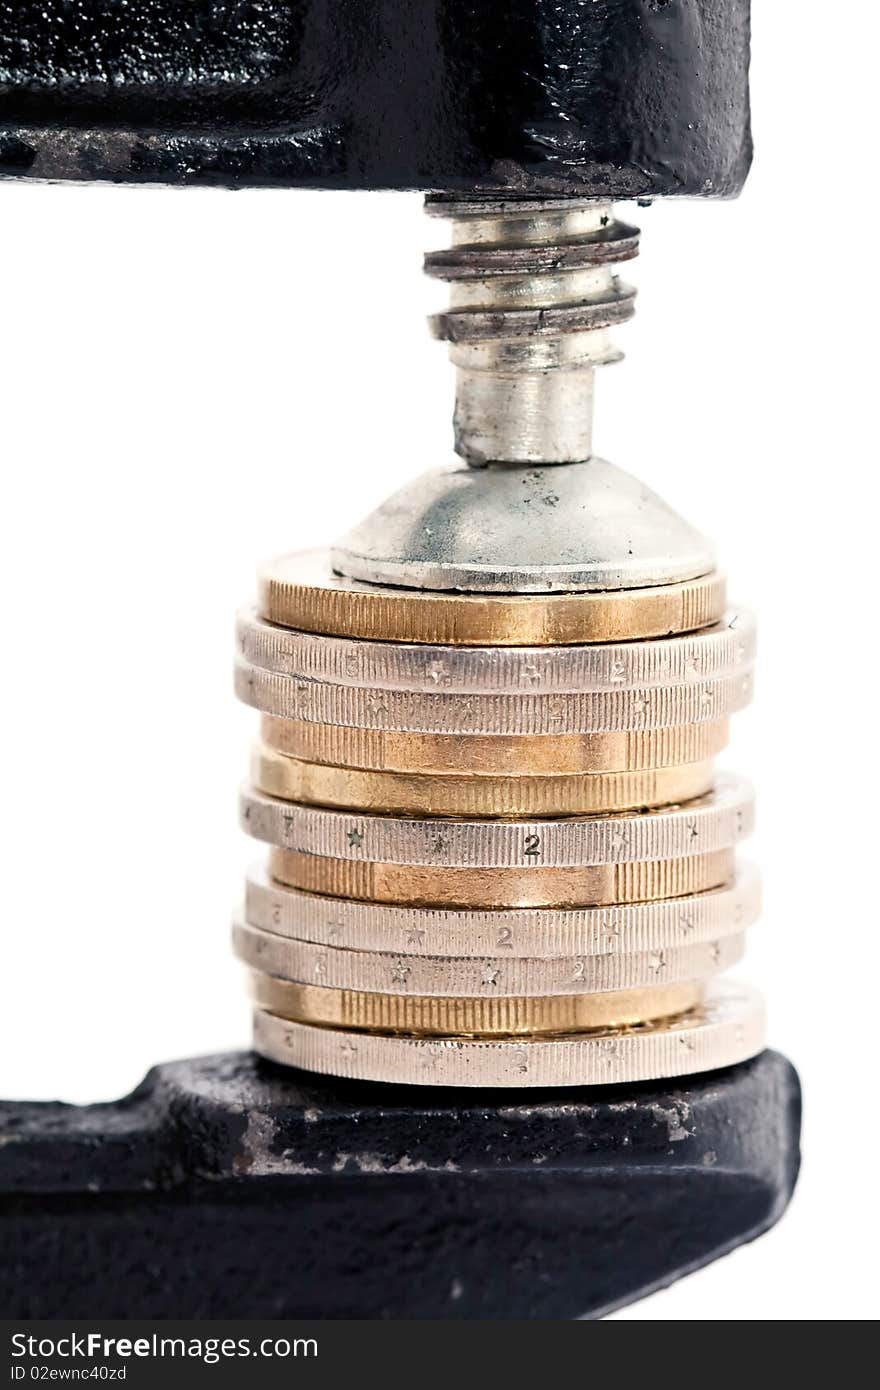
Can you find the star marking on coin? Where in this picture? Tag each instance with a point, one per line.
(490, 975)
(707, 698)
(693, 666)
(618, 671)
(437, 672)
(467, 711)
(333, 929)
(688, 1042)
(355, 838)
(437, 843)
(685, 921)
(693, 830)
(619, 841)
(376, 705)
(611, 932)
(415, 936)
(348, 1047)
(399, 973)
(715, 952)
(530, 673)
(610, 1050)
(640, 704)
(657, 962)
(320, 968)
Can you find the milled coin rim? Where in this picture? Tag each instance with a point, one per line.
(385, 972)
(573, 886)
(628, 928)
(301, 591)
(721, 650)
(453, 794)
(428, 712)
(502, 1016)
(718, 820)
(493, 755)
(728, 1028)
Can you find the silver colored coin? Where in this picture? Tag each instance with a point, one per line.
(728, 1028)
(432, 712)
(713, 822)
(636, 928)
(380, 972)
(728, 649)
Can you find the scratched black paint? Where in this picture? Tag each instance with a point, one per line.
(226, 1187)
(618, 98)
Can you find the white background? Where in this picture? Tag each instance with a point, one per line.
(195, 381)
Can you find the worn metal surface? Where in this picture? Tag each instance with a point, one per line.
(533, 300)
(225, 1187)
(615, 98)
(566, 528)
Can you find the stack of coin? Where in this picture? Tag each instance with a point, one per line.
(500, 852)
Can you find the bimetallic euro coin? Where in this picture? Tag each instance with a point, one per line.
(726, 1028)
(301, 591)
(479, 755)
(462, 1017)
(372, 972)
(574, 886)
(718, 820)
(725, 649)
(430, 712)
(452, 794)
(629, 929)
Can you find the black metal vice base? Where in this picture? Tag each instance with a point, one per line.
(228, 1188)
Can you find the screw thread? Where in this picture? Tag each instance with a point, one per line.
(533, 299)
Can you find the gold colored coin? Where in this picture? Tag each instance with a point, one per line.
(292, 779)
(419, 885)
(558, 755)
(597, 937)
(301, 591)
(727, 1028)
(483, 1018)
